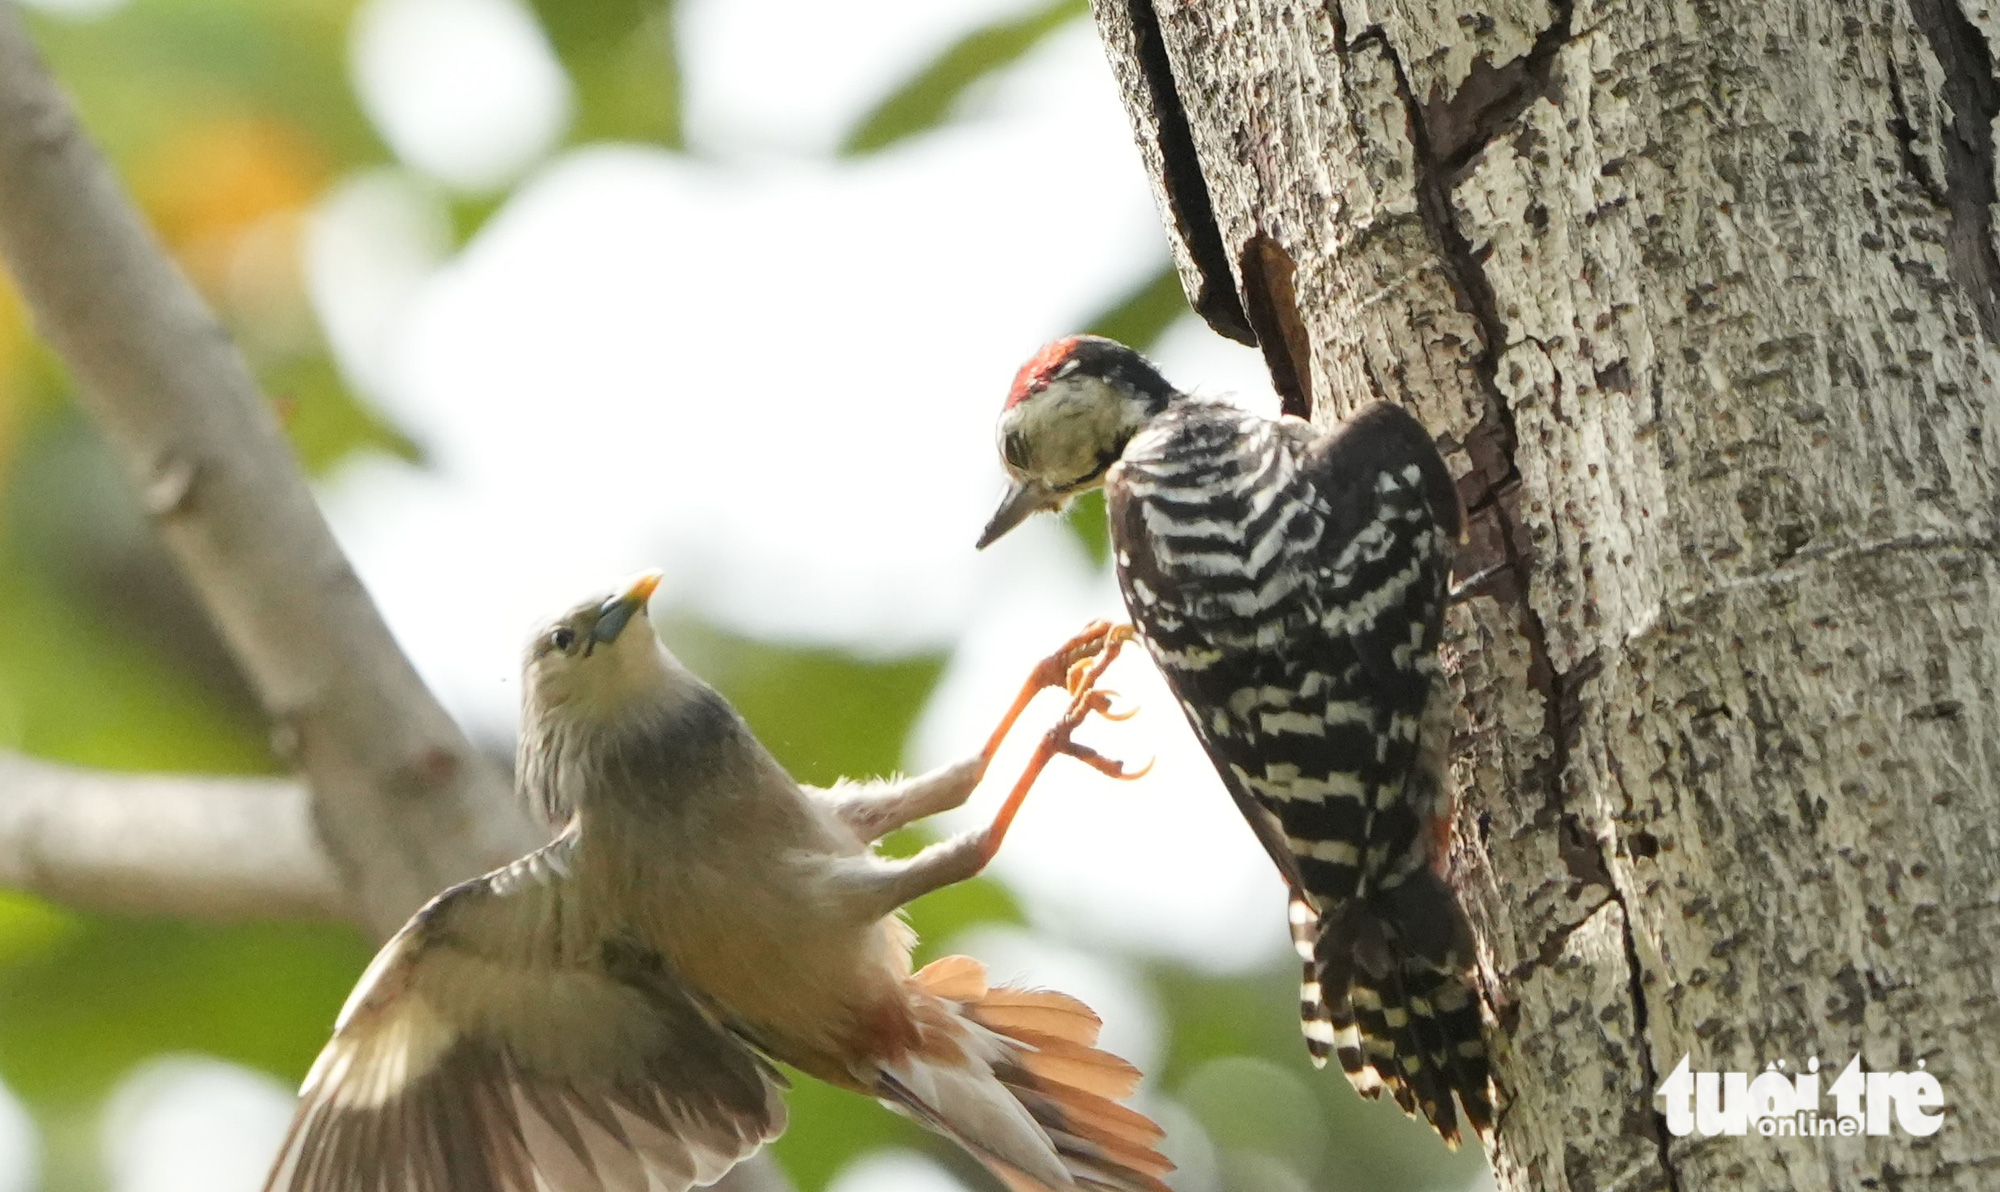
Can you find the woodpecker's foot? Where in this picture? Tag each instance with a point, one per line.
(1071, 667)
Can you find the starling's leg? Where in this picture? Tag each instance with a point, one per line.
(875, 809)
(1099, 639)
(894, 883)
(1058, 741)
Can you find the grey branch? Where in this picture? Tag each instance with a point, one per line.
(199, 847)
(402, 802)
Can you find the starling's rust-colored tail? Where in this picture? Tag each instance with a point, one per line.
(1029, 1093)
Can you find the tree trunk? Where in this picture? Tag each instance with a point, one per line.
(1701, 300)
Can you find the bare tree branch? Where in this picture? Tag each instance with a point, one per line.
(200, 847)
(403, 803)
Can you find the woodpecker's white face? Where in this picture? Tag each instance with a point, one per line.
(598, 661)
(1068, 417)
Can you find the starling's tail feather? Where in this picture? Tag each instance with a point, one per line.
(1390, 979)
(1026, 1090)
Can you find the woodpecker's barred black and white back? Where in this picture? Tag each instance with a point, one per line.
(1292, 585)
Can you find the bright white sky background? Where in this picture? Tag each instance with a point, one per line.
(774, 374)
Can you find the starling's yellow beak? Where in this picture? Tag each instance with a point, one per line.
(617, 612)
(1025, 499)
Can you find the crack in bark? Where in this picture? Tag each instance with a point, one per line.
(1905, 132)
(1550, 949)
(1464, 122)
(1273, 309)
(1973, 94)
(1464, 268)
(1636, 983)
(1188, 201)
(1637, 986)
(1560, 692)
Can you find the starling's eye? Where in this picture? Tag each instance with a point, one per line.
(563, 638)
(1014, 449)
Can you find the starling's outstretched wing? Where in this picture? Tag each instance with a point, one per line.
(499, 1043)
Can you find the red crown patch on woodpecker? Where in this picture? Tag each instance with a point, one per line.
(1034, 375)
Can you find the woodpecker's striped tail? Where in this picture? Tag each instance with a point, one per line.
(1389, 991)
(1329, 1029)
(1013, 1076)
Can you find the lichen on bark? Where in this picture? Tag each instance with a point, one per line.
(1699, 298)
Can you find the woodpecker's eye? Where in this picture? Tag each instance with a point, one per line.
(1014, 449)
(563, 638)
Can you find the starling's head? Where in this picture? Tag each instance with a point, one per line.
(1068, 417)
(599, 660)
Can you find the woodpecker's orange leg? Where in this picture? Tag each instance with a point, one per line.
(1080, 680)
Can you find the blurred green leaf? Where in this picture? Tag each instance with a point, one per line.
(74, 690)
(470, 212)
(105, 659)
(1249, 1103)
(75, 1016)
(154, 67)
(113, 991)
(1142, 315)
(623, 60)
(325, 420)
(825, 714)
(1090, 521)
(1215, 1017)
(594, 28)
(1372, 1144)
(941, 916)
(926, 99)
(831, 1128)
(28, 927)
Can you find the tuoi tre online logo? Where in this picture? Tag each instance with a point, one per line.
(1779, 1105)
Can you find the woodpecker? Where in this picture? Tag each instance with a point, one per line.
(1291, 585)
(607, 1012)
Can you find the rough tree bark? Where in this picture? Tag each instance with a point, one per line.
(1703, 301)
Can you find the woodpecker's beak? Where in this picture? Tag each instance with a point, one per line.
(1027, 498)
(617, 612)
